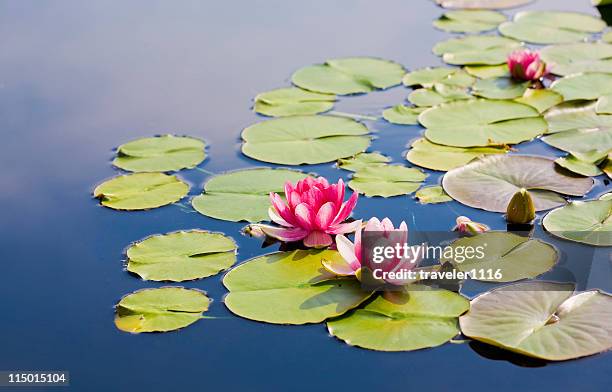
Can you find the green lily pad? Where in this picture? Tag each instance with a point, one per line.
(583, 86)
(432, 195)
(299, 140)
(488, 71)
(182, 255)
(589, 222)
(482, 4)
(291, 288)
(140, 191)
(363, 160)
(160, 310)
(414, 320)
(607, 37)
(160, 154)
(481, 122)
(476, 50)
(541, 320)
(578, 166)
(514, 256)
(438, 157)
(349, 75)
(540, 99)
(440, 93)
(490, 182)
(606, 196)
(292, 102)
(551, 27)
(403, 115)
(469, 21)
(576, 58)
(427, 77)
(604, 104)
(243, 195)
(387, 180)
(499, 88)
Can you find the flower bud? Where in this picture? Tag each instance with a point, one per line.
(520, 209)
(468, 227)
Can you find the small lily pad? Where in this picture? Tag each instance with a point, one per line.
(349, 75)
(160, 310)
(416, 319)
(160, 154)
(589, 222)
(140, 191)
(427, 77)
(583, 86)
(299, 140)
(292, 102)
(402, 115)
(604, 104)
(490, 182)
(499, 88)
(469, 21)
(432, 195)
(387, 180)
(488, 71)
(577, 58)
(541, 320)
(482, 4)
(291, 288)
(438, 157)
(578, 166)
(540, 99)
(476, 50)
(363, 160)
(182, 255)
(243, 195)
(440, 93)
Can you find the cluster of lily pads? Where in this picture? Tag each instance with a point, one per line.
(474, 112)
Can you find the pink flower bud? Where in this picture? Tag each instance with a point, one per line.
(525, 65)
(467, 227)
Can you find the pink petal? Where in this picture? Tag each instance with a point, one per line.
(340, 188)
(283, 234)
(294, 199)
(325, 216)
(304, 216)
(277, 218)
(347, 250)
(343, 228)
(373, 225)
(288, 189)
(358, 242)
(322, 181)
(317, 239)
(387, 225)
(346, 209)
(282, 209)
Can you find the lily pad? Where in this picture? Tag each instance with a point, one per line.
(140, 191)
(482, 4)
(476, 50)
(387, 180)
(499, 88)
(403, 115)
(427, 77)
(589, 222)
(299, 140)
(514, 256)
(363, 160)
(432, 195)
(606, 196)
(243, 195)
(182, 255)
(481, 122)
(291, 288)
(349, 75)
(578, 166)
(160, 154)
(440, 93)
(160, 310)
(438, 157)
(551, 27)
(488, 71)
(414, 320)
(490, 182)
(576, 58)
(469, 21)
(540, 99)
(604, 104)
(583, 86)
(607, 37)
(292, 102)
(541, 320)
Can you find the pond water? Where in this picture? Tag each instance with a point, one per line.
(79, 78)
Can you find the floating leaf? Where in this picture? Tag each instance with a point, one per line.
(292, 102)
(387, 180)
(140, 191)
(540, 99)
(290, 288)
(482, 4)
(481, 122)
(576, 165)
(427, 77)
(490, 182)
(589, 222)
(606, 196)
(182, 255)
(413, 320)
(476, 50)
(243, 195)
(363, 160)
(432, 195)
(403, 115)
(514, 256)
(576, 58)
(604, 104)
(440, 93)
(583, 86)
(160, 310)
(349, 75)
(607, 37)
(541, 320)
(160, 154)
(551, 27)
(488, 71)
(438, 157)
(297, 140)
(469, 21)
(499, 88)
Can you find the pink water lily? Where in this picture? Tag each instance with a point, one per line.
(313, 212)
(353, 257)
(526, 65)
(468, 227)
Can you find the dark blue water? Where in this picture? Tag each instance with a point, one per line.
(78, 78)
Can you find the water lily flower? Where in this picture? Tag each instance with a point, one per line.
(313, 212)
(352, 257)
(468, 227)
(526, 65)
